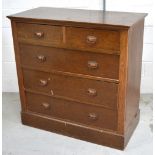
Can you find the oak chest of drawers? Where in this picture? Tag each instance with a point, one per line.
(79, 72)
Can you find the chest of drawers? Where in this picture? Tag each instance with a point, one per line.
(79, 72)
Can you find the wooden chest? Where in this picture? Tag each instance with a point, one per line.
(79, 72)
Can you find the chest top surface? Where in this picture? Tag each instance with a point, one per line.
(105, 18)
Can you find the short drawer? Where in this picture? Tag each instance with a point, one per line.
(73, 88)
(87, 63)
(71, 111)
(93, 39)
(39, 34)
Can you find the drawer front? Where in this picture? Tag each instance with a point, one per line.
(39, 34)
(92, 39)
(87, 63)
(72, 111)
(80, 89)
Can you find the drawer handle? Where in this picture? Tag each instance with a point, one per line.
(91, 39)
(39, 34)
(52, 93)
(43, 82)
(92, 92)
(41, 58)
(92, 64)
(46, 105)
(92, 116)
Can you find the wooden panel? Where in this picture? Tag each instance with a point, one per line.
(89, 115)
(130, 75)
(40, 34)
(122, 80)
(92, 39)
(83, 90)
(80, 17)
(87, 63)
(135, 47)
(18, 66)
(82, 132)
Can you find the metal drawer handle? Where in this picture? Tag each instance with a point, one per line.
(43, 82)
(39, 34)
(92, 92)
(41, 58)
(45, 105)
(91, 39)
(92, 64)
(92, 116)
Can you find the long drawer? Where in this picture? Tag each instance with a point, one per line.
(87, 63)
(71, 111)
(80, 89)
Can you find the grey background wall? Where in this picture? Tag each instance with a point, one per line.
(9, 78)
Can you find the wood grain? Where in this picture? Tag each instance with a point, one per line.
(50, 34)
(104, 39)
(18, 66)
(70, 61)
(71, 111)
(130, 76)
(72, 87)
(123, 73)
(79, 72)
(80, 17)
(135, 47)
(82, 132)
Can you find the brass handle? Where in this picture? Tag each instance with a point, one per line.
(92, 64)
(43, 82)
(41, 58)
(46, 105)
(92, 116)
(92, 92)
(91, 39)
(39, 34)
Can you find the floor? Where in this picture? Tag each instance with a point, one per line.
(23, 140)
